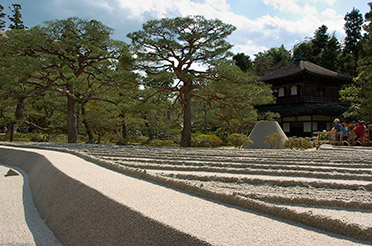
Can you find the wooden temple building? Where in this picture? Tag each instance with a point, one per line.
(307, 97)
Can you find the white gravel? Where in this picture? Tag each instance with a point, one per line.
(264, 177)
(357, 217)
(210, 221)
(20, 222)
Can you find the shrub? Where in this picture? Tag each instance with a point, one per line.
(326, 136)
(204, 140)
(135, 140)
(298, 143)
(162, 143)
(58, 138)
(274, 140)
(39, 137)
(238, 140)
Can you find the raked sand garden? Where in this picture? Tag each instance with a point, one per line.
(325, 192)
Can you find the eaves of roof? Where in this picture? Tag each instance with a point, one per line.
(300, 67)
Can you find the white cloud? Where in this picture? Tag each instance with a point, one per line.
(218, 4)
(102, 4)
(305, 18)
(284, 5)
(329, 2)
(162, 8)
(249, 48)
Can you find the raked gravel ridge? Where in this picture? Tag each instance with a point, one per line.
(192, 219)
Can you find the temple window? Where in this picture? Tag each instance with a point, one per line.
(293, 90)
(281, 92)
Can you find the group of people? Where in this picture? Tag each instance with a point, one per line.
(355, 133)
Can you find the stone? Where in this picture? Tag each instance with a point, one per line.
(11, 172)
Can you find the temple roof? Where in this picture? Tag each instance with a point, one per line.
(300, 67)
(300, 109)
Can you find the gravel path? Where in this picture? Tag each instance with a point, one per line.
(209, 221)
(20, 220)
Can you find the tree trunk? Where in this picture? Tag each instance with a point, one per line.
(72, 136)
(124, 130)
(87, 126)
(150, 132)
(187, 126)
(11, 136)
(205, 119)
(18, 117)
(20, 109)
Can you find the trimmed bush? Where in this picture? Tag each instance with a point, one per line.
(274, 140)
(205, 140)
(162, 143)
(238, 140)
(298, 143)
(39, 137)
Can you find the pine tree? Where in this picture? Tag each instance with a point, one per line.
(319, 43)
(359, 94)
(353, 29)
(243, 62)
(16, 18)
(2, 15)
(350, 54)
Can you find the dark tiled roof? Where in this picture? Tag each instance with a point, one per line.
(331, 109)
(301, 67)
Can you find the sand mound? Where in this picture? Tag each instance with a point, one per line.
(263, 129)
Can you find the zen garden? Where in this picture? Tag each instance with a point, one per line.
(178, 84)
(286, 134)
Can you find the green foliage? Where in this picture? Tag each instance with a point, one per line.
(39, 137)
(16, 18)
(229, 101)
(2, 15)
(323, 49)
(274, 140)
(353, 29)
(29, 137)
(163, 143)
(205, 140)
(190, 41)
(238, 140)
(359, 93)
(298, 143)
(57, 138)
(326, 136)
(271, 60)
(243, 62)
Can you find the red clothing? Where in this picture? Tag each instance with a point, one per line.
(359, 129)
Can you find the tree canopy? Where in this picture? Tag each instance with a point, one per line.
(2, 16)
(359, 94)
(185, 49)
(186, 53)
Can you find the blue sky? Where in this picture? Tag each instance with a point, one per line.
(261, 24)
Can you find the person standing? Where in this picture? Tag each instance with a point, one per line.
(360, 130)
(337, 131)
(345, 134)
(369, 132)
